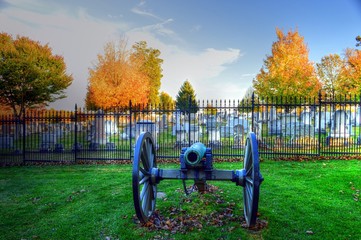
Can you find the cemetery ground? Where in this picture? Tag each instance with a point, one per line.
(298, 200)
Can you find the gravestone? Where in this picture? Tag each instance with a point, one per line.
(238, 137)
(358, 116)
(177, 122)
(163, 123)
(214, 136)
(194, 133)
(226, 131)
(306, 118)
(186, 125)
(321, 122)
(274, 127)
(77, 147)
(304, 130)
(181, 138)
(211, 122)
(48, 141)
(240, 121)
(128, 131)
(58, 130)
(110, 146)
(146, 126)
(99, 136)
(59, 148)
(6, 142)
(273, 114)
(340, 125)
(110, 127)
(288, 118)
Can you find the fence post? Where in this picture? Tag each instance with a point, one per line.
(319, 122)
(24, 135)
(252, 113)
(189, 120)
(76, 133)
(130, 130)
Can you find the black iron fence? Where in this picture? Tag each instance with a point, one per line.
(284, 127)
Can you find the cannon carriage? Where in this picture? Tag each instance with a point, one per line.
(196, 163)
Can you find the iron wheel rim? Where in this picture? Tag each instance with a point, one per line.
(252, 180)
(144, 190)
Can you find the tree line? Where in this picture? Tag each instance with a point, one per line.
(289, 73)
(31, 76)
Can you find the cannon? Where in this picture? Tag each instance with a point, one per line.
(196, 163)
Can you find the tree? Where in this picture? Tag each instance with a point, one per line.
(288, 71)
(329, 73)
(210, 110)
(30, 75)
(246, 103)
(115, 79)
(185, 97)
(150, 65)
(166, 101)
(351, 72)
(358, 40)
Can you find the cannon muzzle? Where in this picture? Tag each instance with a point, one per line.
(194, 154)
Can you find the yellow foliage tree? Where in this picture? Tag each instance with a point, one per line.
(351, 72)
(114, 80)
(287, 72)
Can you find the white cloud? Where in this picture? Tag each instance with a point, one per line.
(198, 68)
(141, 10)
(80, 37)
(196, 28)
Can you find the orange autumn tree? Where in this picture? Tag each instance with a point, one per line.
(287, 72)
(114, 80)
(351, 72)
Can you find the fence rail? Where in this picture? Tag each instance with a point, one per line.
(284, 127)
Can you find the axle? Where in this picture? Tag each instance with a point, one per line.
(237, 176)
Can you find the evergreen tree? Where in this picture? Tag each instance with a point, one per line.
(185, 96)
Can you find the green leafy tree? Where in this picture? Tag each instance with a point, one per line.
(150, 65)
(287, 73)
(30, 75)
(186, 96)
(166, 101)
(329, 72)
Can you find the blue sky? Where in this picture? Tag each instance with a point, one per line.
(219, 46)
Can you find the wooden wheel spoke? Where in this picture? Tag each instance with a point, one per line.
(249, 171)
(143, 180)
(144, 191)
(142, 170)
(249, 181)
(145, 160)
(249, 193)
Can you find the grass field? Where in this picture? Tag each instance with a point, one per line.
(298, 200)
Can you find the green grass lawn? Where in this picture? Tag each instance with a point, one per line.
(299, 200)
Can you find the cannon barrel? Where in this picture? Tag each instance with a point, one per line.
(194, 154)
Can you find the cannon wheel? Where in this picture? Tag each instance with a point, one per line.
(252, 180)
(144, 187)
